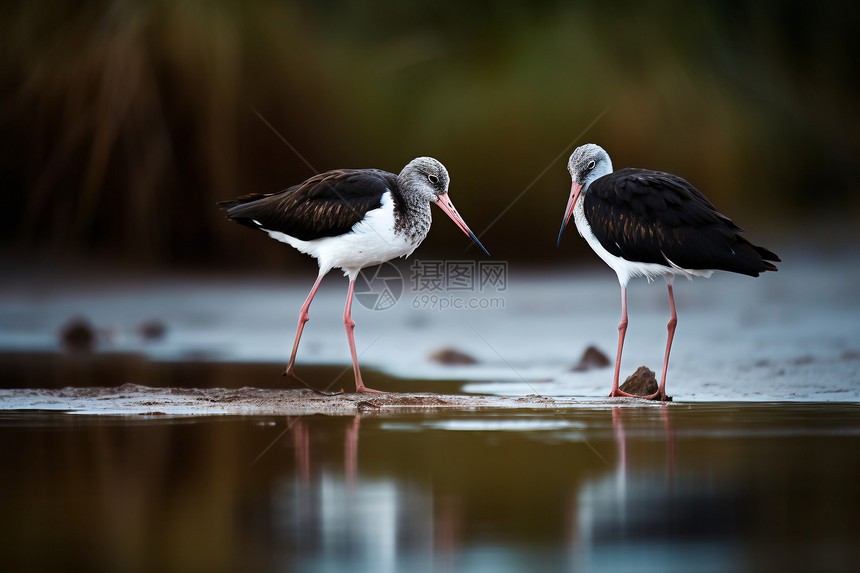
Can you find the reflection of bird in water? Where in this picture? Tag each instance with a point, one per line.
(351, 219)
(350, 450)
(637, 503)
(302, 445)
(649, 223)
(621, 439)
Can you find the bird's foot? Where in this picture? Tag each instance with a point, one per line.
(290, 370)
(622, 394)
(362, 389)
(661, 396)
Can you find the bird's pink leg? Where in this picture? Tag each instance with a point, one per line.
(622, 330)
(670, 327)
(350, 326)
(303, 318)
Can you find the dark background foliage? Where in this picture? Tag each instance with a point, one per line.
(122, 123)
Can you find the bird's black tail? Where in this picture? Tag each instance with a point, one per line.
(243, 200)
(751, 259)
(243, 211)
(768, 257)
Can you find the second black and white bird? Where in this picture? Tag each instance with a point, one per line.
(653, 224)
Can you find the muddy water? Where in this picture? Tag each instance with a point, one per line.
(696, 487)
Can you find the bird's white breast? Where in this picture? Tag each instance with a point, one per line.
(370, 242)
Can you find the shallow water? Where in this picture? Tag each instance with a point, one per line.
(716, 487)
(753, 467)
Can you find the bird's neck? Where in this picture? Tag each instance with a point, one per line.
(412, 218)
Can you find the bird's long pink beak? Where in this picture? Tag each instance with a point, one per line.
(575, 190)
(445, 204)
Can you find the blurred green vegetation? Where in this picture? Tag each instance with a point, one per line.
(122, 123)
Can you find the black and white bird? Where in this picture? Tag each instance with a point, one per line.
(351, 219)
(652, 224)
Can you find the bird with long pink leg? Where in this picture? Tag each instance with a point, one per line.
(351, 219)
(653, 224)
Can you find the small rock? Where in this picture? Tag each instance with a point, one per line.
(78, 336)
(643, 382)
(592, 358)
(449, 356)
(152, 330)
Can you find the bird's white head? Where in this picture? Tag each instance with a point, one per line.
(586, 164)
(426, 179)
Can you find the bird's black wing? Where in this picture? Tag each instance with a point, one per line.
(325, 205)
(655, 217)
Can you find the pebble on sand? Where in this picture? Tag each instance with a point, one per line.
(152, 330)
(643, 382)
(78, 336)
(592, 358)
(449, 356)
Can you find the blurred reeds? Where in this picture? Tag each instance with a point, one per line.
(122, 123)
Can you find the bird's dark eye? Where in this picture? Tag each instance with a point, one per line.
(433, 179)
(590, 165)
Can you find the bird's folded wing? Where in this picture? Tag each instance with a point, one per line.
(325, 205)
(655, 217)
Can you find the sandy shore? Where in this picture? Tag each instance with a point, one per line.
(131, 399)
